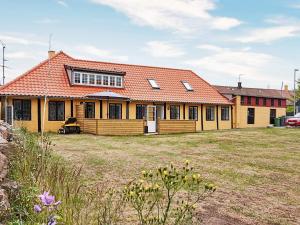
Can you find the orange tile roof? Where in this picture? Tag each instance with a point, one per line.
(38, 82)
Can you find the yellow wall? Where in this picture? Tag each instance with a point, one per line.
(262, 115)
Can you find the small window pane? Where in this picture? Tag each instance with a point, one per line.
(141, 111)
(85, 78)
(119, 82)
(187, 86)
(210, 113)
(193, 113)
(92, 79)
(153, 83)
(115, 111)
(174, 112)
(89, 110)
(99, 80)
(225, 113)
(105, 80)
(77, 78)
(112, 81)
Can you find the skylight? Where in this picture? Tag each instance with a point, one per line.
(153, 83)
(187, 86)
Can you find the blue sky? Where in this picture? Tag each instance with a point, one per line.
(218, 39)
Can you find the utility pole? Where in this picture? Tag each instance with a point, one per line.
(295, 80)
(3, 62)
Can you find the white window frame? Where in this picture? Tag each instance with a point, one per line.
(77, 73)
(187, 86)
(96, 75)
(153, 83)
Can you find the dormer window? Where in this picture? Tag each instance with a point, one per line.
(94, 79)
(187, 86)
(153, 83)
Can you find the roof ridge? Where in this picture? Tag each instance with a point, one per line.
(128, 64)
(249, 88)
(31, 70)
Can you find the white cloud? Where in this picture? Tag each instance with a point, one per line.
(233, 62)
(177, 15)
(100, 54)
(163, 49)
(268, 35)
(20, 39)
(47, 21)
(295, 6)
(62, 3)
(19, 55)
(208, 47)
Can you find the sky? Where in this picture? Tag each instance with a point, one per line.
(217, 39)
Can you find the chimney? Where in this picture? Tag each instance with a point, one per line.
(286, 87)
(239, 85)
(51, 54)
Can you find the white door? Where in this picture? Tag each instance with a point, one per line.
(151, 118)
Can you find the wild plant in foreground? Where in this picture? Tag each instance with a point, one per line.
(167, 196)
(47, 209)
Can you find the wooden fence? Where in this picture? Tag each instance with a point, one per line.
(112, 127)
(176, 126)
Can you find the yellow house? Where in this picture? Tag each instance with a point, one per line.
(113, 99)
(254, 107)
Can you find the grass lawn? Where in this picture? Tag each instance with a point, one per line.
(257, 171)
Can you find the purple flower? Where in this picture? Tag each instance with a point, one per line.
(37, 208)
(46, 198)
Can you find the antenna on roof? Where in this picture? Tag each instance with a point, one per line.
(3, 61)
(281, 88)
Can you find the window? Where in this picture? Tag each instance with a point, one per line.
(249, 100)
(141, 111)
(265, 102)
(242, 100)
(251, 116)
(256, 101)
(272, 116)
(56, 111)
(174, 112)
(98, 79)
(77, 78)
(187, 86)
(225, 113)
(115, 111)
(85, 78)
(105, 80)
(272, 101)
(119, 82)
(89, 110)
(279, 102)
(22, 109)
(153, 83)
(92, 79)
(112, 81)
(210, 113)
(193, 113)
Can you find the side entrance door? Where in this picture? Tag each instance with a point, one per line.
(272, 116)
(151, 118)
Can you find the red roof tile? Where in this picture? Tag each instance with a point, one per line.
(37, 82)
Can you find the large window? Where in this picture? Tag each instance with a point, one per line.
(251, 116)
(279, 102)
(22, 109)
(225, 113)
(193, 113)
(56, 111)
(141, 111)
(89, 108)
(249, 100)
(95, 79)
(257, 101)
(210, 113)
(174, 112)
(272, 101)
(115, 111)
